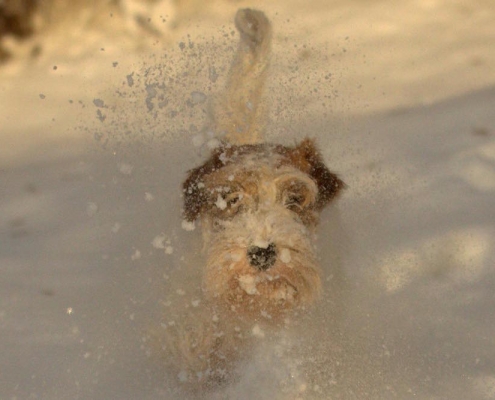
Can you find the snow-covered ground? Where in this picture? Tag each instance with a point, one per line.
(401, 99)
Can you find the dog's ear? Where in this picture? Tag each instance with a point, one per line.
(195, 194)
(308, 159)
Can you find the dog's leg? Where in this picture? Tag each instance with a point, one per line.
(239, 112)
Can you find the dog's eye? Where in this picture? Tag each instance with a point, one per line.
(232, 200)
(295, 196)
(226, 205)
(294, 199)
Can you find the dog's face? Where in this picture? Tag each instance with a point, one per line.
(258, 205)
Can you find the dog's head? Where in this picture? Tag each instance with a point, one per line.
(258, 205)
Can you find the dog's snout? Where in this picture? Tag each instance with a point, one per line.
(262, 258)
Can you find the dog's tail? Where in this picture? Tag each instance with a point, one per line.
(239, 114)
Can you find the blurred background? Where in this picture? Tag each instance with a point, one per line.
(378, 54)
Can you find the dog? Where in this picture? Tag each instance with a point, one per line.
(258, 204)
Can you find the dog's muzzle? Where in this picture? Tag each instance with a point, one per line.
(262, 258)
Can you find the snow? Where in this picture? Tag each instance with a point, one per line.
(400, 98)
(285, 256)
(136, 255)
(198, 97)
(221, 204)
(159, 241)
(248, 284)
(188, 226)
(257, 331)
(125, 168)
(149, 196)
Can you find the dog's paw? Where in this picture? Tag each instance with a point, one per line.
(198, 350)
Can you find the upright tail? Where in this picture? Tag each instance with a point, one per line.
(239, 114)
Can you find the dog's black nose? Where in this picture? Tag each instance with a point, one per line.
(262, 258)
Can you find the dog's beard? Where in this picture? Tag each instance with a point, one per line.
(231, 280)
